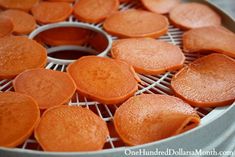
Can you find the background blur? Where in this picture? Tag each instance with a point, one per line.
(227, 5)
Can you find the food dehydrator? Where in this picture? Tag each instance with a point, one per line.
(216, 131)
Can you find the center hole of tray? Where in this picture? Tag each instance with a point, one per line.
(70, 53)
(66, 42)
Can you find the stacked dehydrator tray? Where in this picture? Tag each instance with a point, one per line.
(217, 127)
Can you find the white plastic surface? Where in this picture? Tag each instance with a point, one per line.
(211, 127)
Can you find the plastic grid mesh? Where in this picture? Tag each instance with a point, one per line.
(159, 84)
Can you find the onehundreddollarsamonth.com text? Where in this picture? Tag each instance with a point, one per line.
(178, 152)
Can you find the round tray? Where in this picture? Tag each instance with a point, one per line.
(208, 135)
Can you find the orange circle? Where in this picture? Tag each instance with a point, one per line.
(199, 40)
(48, 87)
(6, 26)
(194, 15)
(25, 5)
(150, 117)
(23, 22)
(160, 6)
(136, 23)
(103, 79)
(19, 53)
(51, 12)
(19, 114)
(94, 11)
(65, 36)
(148, 56)
(71, 128)
(207, 82)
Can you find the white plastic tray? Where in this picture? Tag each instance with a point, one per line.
(215, 131)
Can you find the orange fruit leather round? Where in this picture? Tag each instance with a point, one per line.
(148, 56)
(71, 129)
(103, 79)
(65, 36)
(44, 14)
(23, 22)
(98, 41)
(160, 6)
(194, 15)
(200, 40)
(136, 23)
(25, 5)
(19, 114)
(150, 117)
(48, 87)
(94, 11)
(6, 26)
(18, 54)
(207, 82)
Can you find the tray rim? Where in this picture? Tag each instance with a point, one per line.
(219, 112)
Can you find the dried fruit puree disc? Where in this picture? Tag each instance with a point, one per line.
(19, 53)
(48, 87)
(194, 15)
(136, 23)
(207, 82)
(71, 129)
(19, 114)
(94, 11)
(216, 39)
(150, 117)
(103, 79)
(148, 56)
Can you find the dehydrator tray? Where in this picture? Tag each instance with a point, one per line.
(217, 126)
